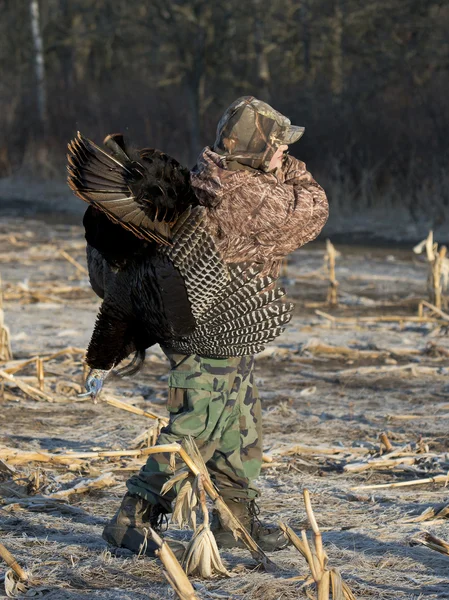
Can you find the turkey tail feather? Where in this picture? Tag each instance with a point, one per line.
(104, 181)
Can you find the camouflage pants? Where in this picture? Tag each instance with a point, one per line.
(217, 403)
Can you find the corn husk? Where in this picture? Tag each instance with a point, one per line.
(177, 478)
(184, 512)
(14, 587)
(202, 556)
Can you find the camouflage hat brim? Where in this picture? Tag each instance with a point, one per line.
(293, 134)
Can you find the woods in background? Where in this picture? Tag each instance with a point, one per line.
(368, 80)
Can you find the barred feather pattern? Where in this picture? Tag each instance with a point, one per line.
(237, 311)
(254, 303)
(194, 255)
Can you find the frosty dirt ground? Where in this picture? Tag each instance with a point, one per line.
(311, 397)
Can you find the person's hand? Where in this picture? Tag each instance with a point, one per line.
(94, 383)
(276, 159)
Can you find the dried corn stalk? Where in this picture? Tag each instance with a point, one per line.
(432, 542)
(14, 587)
(431, 514)
(86, 485)
(202, 557)
(40, 373)
(433, 309)
(5, 338)
(173, 571)
(193, 459)
(385, 441)
(74, 262)
(134, 409)
(378, 486)
(17, 457)
(29, 390)
(326, 580)
(330, 256)
(150, 436)
(16, 579)
(190, 454)
(67, 388)
(438, 276)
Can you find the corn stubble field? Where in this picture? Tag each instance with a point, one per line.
(353, 401)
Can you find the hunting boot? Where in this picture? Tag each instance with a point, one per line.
(269, 537)
(129, 526)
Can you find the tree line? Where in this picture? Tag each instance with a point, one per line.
(369, 82)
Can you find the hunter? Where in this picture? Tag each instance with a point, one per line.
(261, 205)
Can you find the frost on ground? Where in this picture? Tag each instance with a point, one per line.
(312, 395)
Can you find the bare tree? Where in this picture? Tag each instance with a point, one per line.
(39, 64)
(261, 49)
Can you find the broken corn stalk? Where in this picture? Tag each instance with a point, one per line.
(326, 580)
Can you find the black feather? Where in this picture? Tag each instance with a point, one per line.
(134, 366)
(144, 191)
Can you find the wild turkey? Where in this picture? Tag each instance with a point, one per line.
(154, 264)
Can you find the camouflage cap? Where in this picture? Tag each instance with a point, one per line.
(250, 132)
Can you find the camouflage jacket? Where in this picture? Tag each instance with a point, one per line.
(259, 217)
